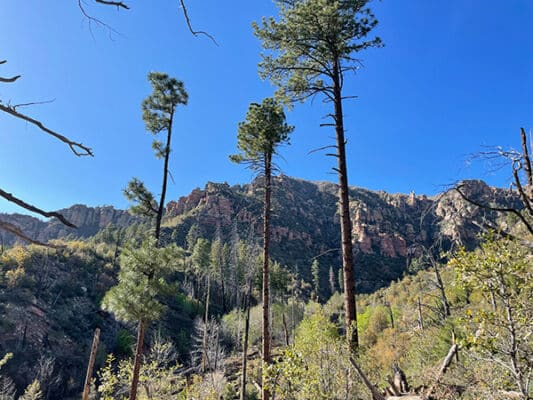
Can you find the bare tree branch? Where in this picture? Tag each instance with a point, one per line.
(189, 25)
(118, 4)
(523, 195)
(331, 146)
(499, 209)
(376, 395)
(14, 230)
(48, 214)
(90, 18)
(445, 364)
(9, 80)
(77, 148)
(33, 103)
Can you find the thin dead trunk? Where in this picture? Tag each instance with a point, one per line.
(511, 327)
(266, 283)
(90, 366)
(245, 341)
(440, 285)
(206, 324)
(527, 160)
(344, 210)
(138, 358)
(420, 318)
(285, 329)
(223, 289)
(391, 315)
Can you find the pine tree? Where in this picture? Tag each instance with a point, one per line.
(308, 52)
(141, 280)
(158, 115)
(258, 139)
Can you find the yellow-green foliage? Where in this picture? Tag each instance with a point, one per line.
(315, 367)
(498, 323)
(13, 263)
(372, 323)
(159, 378)
(211, 386)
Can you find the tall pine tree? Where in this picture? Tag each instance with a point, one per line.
(308, 52)
(158, 111)
(258, 138)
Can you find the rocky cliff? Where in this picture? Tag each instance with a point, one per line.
(88, 220)
(388, 229)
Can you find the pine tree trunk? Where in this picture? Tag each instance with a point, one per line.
(164, 186)
(266, 284)
(344, 208)
(137, 361)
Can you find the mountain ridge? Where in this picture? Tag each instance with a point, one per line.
(389, 230)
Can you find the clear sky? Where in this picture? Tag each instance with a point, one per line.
(454, 76)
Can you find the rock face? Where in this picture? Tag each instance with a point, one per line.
(89, 220)
(388, 229)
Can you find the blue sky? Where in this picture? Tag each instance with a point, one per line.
(453, 77)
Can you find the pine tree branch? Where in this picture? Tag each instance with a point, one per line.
(77, 148)
(48, 214)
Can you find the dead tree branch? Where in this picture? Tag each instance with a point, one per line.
(498, 209)
(118, 4)
(9, 80)
(189, 25)
(91, 19)
(444, 367)
(14, 230)
(77, 148)
(376, 395)
(48, 214)
(32, 103)
(527, 159)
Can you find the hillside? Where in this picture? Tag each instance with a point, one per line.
(389, 229)
(50, 298)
